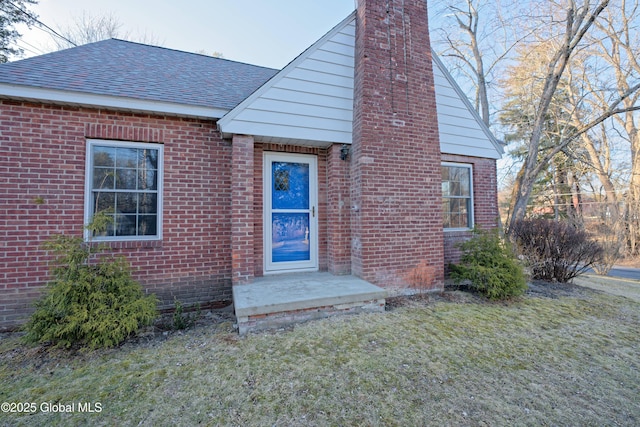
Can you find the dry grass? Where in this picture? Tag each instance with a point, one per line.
(567, 360)
(612, 285)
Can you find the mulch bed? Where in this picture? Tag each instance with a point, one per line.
(462, 294)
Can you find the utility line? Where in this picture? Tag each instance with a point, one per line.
(28, 50)
(582, 202)
(37, 21)
(33, 49)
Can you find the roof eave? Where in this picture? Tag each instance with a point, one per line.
(91, 100)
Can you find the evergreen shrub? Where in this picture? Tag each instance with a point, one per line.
(489, 266)
(92, 300)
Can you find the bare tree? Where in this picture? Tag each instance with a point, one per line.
(87, 28)
(214, 54)
(523, 87)
(604, 72)
(475, 37)
(618, 45)
(577, 20)
(597, 143)
(570, 105)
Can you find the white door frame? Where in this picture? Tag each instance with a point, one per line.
(293, 266)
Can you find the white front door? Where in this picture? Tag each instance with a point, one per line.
(290, 212)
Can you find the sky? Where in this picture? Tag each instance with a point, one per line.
(269, 33)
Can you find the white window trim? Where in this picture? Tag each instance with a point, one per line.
(88, 209)
(471, 187)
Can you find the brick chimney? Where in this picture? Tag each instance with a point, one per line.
(396, 193)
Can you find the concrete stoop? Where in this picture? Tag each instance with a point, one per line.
(276, 301)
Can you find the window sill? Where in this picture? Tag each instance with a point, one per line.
(129, 244)
(458, 230)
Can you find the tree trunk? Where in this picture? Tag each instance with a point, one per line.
(578, 21)
(522, 187)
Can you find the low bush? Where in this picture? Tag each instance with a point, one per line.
(490, 267)
(92, 300)
(553, 250)
(182, 320)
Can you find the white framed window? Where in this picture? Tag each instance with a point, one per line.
(457, 196)
(124, 181)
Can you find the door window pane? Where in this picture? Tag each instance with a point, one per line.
(290, 187)
(290, 237)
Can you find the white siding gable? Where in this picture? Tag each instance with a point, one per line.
(310, 101)
(462, 131)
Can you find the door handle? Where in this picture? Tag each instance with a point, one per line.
(313, 211)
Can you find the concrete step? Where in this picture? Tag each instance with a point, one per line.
(279, 300)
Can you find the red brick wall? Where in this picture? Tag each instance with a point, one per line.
(42, 178)
(242, 220)
(395, 167)
(485, 202)
(338, 212)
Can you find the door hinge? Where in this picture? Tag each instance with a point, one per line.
(313, 211)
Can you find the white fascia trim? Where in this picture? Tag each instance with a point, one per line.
(31, 93)
(228, 118)
(466, 101)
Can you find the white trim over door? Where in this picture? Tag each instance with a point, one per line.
(290, 207)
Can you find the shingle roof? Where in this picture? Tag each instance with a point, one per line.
(126, 69)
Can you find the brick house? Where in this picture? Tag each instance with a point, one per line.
(361, 157)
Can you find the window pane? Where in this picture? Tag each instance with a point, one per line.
(290, 187)
(127, 203)
(455, 173)
(445, 173)
(104, 156)
(453, 205)
(103, 178)
(147, 179)
(125, 225)
(147, 225)
(445, 188)
(126, 157)
(147, 158)
(111, 227)
(148, 203)
(126, 179)
(109, 230)
(467, 212)
(454, 188)
(457, 221)
(465, 189)
(446, 214)
(104, 202)
(290, 237)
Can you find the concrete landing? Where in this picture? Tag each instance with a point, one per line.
(279, 300)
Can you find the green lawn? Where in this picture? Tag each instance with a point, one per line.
(568, 360)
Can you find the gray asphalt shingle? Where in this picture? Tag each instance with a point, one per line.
(121, 68)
